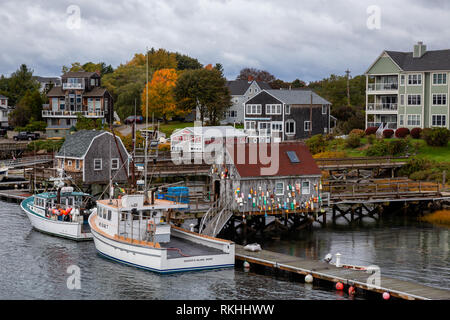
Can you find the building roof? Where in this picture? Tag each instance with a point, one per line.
(77, 144)
(95, 92)
(248, 168)
(239, 87)
(297, 96)
(79, 74)
(212, 131)
(56, 91)
(431, 60)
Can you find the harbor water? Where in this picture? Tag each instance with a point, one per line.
(35, 266)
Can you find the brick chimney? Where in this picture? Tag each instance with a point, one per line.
(250, 78)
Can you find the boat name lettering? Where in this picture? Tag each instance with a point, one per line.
(199, 259)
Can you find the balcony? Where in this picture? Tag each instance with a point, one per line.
(73, 86)
(387, 125)
(382, 107)
(393, 86)
(72, 114)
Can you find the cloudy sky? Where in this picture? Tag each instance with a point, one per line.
(289, 38)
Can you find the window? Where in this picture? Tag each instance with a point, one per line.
(413, 120)
(307, 126)
(415, 79)
(92, 82)
(402, 80)
(264, 126)
(97, 104)
(277, 126)
(439, 120)
(273, 108)
(305, 187)
(77, 164)
(109, 215)
(287, 109)
(97, 164)
(324, 109)
(402, 99)
(250, 125)
(253, 109)
(114, 164)
(439, 78)
(439, 99)
(290, 127)
(69, 163)
(279, 188)
(401, 121)
(414, 99)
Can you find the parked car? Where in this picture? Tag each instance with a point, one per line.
(131, 119)
(26, 136)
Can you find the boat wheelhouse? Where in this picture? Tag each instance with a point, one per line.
(138, 232)
(61, 213)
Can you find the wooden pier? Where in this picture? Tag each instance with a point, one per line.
(323, 271)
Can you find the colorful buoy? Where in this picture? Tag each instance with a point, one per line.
(386, 295)
(351, 291)
(339, 286)
(246, 265)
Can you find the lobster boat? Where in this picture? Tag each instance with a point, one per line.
(61, 213)
(135, 230)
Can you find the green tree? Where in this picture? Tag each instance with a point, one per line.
(27, 109)
(185, 62)
(84, 123)
(204, 89)
(255, 74)
(19, 83)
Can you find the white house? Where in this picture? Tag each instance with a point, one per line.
(4, 111)
(195, 139)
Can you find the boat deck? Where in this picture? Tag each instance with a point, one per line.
(185, 248)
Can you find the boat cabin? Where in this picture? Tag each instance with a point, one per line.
(131, 218)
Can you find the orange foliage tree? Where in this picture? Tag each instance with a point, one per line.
(161, 99)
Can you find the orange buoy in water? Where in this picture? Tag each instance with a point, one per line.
(386, 295)
(339, 286)
(351, 291)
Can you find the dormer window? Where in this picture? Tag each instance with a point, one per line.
(93, 82)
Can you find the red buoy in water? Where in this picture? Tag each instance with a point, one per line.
(351, 291)
(339, 286)
(386, 295)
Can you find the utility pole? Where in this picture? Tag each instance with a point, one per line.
(348, 86)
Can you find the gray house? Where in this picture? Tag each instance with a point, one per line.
(85, 156)
(246, 182)
(241, 91)
(286, 114)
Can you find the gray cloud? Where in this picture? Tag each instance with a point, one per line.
(291, 39)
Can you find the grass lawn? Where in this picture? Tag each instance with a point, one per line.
(172, 126)
(439, 154)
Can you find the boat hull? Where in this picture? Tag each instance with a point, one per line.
(64, 229)
(156, 259)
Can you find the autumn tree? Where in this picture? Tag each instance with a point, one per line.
(255, 74)
(161, 99)
(203, 90)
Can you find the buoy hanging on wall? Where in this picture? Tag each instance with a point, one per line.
(309, 278)
(339, 286)
(386, 295)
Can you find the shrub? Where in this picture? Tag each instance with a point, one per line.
(330, 154)
(371, 130)
(416, 132)
(353, 141)
(396, 147)
(414, 165)
(371, 139)
(316, 144)
(388, 133)
(33, 126)
(402, 132)
(360, 133)
(378, 149)
(436, 137)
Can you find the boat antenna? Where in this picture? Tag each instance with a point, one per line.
(111, 189)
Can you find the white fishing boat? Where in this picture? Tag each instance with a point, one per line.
(3, 173)
(136, 232)
(62, 212)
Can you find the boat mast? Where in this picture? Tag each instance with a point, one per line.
(146, 135)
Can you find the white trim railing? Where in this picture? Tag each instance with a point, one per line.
(73, 86)
(382, 107)
(72, 114)
(382, 86)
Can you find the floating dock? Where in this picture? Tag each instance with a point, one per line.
(348, 277)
